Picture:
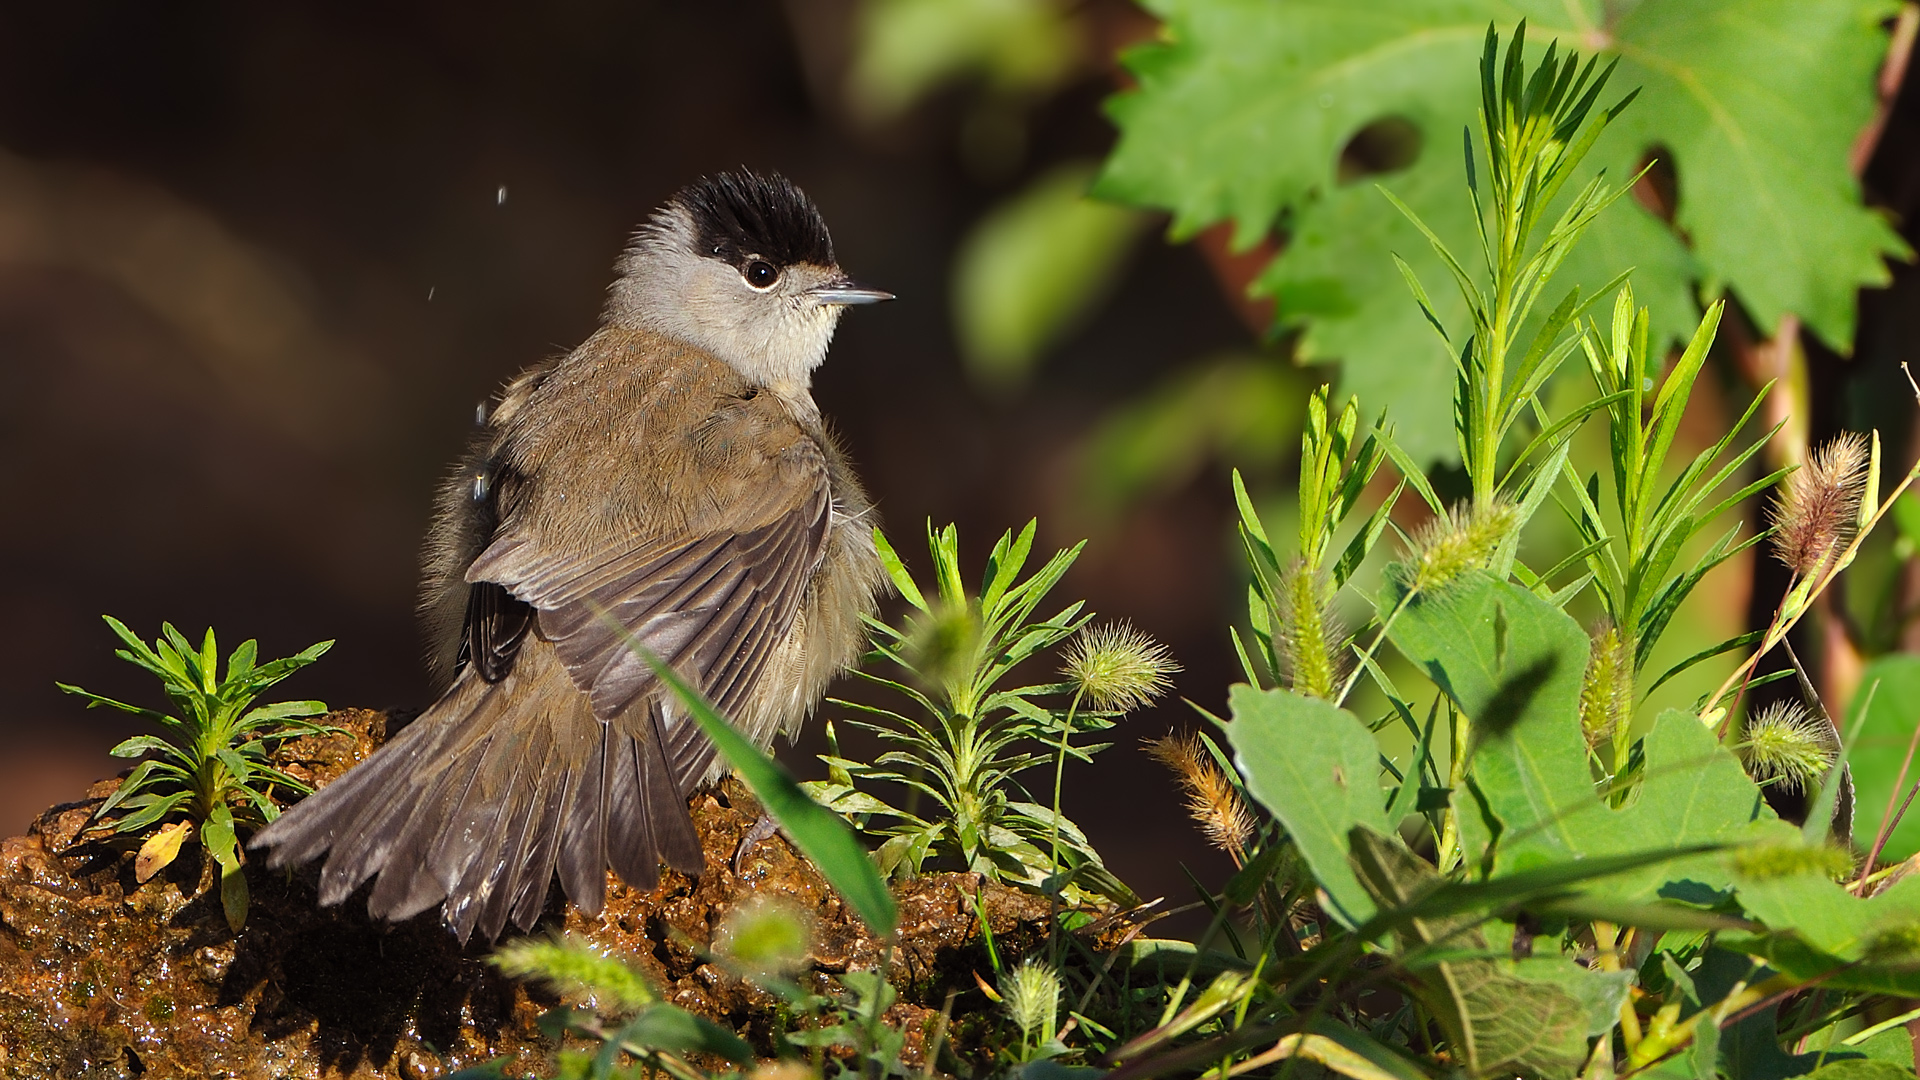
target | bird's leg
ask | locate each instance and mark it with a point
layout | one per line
(762, 829)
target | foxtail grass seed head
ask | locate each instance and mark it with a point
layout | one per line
(1116, 668)
(1606, 694)
(941, 644)
(1818, 510)
(1463, 540)
(764, 938)
(1770, 862)
(1031, 993)
(1307, 635)
(1897, 944)
(1787, 747)
(1212, 800)
(577, 969)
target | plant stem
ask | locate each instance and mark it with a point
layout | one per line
(1451, 853)
(1366, 657)
(1059, 770)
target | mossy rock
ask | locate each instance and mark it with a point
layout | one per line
(101, 976)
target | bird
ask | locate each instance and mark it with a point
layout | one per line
(668, 484)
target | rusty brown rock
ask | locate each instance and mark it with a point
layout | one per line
(101, 976)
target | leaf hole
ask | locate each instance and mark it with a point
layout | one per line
(1388, 145)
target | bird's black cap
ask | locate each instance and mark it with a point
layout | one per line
(740, 214)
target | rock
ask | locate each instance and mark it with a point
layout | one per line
(101, 976)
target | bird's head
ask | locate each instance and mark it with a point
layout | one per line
(741, 265)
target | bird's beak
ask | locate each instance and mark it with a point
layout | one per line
(843, 290)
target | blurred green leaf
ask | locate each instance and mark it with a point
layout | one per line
(1236, 408)
(1032, 267)
(1860, 1069)
(1880, 748)
(1317, 767)
(1243, 109)
(907, 48)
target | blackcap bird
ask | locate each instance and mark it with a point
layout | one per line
(669, 479)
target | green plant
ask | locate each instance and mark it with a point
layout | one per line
(212, 767)
(957, 650)
(1250, 113)
(1488, 900)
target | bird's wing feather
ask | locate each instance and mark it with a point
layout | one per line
(712, 601)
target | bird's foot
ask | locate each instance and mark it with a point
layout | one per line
(762, 829)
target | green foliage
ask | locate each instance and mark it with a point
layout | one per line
(1632, 554)
(212, 766)
(1032, 267)
(1234, 407)
(1243, 109)
(1317, 768)
(1886, 730)
(971, 735)
(626, 1019)
(906, 48)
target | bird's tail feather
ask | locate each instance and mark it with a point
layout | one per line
(478, 802)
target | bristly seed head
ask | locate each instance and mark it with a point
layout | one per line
(1818, 511)
(1212, 800)
(1449, 546)
(1606, 694)
(1786, 746)
(1117, 668)
(1031, 992)
(1307, 636)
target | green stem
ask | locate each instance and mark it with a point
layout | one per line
(1366, 657)
(1059, 771)
(1451, 852)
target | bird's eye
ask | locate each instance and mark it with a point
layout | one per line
(760, 274)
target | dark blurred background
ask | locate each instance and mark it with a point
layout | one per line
(258, 263)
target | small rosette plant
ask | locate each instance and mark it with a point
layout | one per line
(212, 767)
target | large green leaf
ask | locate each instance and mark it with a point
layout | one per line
(1880, 748)
(1317, 767)
(1531, 1016)
(1530, 762)
(1244, 106)
(1820, 929)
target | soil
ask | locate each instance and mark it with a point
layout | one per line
(101, 976)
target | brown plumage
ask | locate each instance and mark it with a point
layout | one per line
(670, 479)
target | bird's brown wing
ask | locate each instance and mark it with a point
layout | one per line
(712, 602)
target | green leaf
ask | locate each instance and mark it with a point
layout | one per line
(1242, 109)
(1530, 761)
(1231, 408)
(906, 48)
(675, 1030)
(217, 836)
(1032, 268)
(142, 744)
(1881, 747)
(820, 833)
(1531, 1016)
(1860, 1069)
(1316, 766)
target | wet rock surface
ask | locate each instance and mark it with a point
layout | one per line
(101, 976)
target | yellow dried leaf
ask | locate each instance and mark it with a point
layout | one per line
(160, 849)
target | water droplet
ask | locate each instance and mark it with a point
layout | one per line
(500, 196)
